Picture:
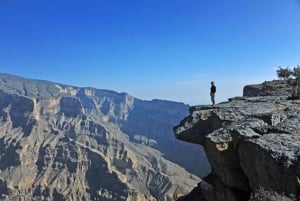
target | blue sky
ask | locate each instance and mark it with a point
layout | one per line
(165, 49)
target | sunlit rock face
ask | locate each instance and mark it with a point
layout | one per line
(60, 142)
(251, 142)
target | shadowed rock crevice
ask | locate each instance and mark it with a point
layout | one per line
(86, 102)
(70, 106)
(8, 156)
(41, 193)
(57, 196)
(103, 185)
(3, 189)
(18, 110)
(195, 127)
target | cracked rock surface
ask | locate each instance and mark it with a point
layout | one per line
(250, 142)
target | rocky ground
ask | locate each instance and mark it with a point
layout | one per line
(251, 142)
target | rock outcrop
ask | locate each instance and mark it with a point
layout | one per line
(268, 88)
(60, 142)
(250, 142)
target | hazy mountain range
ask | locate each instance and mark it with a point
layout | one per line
(61, 142)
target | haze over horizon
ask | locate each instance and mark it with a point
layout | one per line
(148, 48)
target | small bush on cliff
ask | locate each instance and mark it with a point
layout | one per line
(264, 195)
(293, 79)
(284, 73)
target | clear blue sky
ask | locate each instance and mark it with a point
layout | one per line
(166, 49)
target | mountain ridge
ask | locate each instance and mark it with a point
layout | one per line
(61, 142)
(115, 107)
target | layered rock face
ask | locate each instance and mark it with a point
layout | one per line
(250, 142)
(60, 142)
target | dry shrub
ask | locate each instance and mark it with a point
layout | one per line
(265, 195)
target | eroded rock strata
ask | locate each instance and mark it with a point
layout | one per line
(59, 142)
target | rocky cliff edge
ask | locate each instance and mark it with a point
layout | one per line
(251, 142)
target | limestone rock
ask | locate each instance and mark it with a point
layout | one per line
(250, 142)
(268, 88)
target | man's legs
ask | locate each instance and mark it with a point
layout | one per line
(212, 95)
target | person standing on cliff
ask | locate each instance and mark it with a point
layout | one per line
(213, 90)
